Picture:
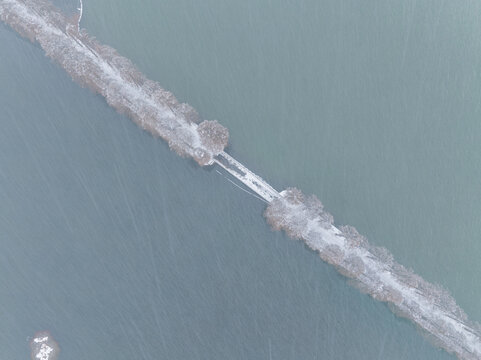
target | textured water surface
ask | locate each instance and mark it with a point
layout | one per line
(119, 248)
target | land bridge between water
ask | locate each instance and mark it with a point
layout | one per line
(247, 177)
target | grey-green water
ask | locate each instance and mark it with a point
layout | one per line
(123, 250)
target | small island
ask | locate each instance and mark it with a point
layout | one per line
(44, 347)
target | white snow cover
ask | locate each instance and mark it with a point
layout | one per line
(103, 70)
(44, 352)
(250, 179)
(44, 347)
(374, 271)
(81, 10)
(40, 339)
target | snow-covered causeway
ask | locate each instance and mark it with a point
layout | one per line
(371, 269)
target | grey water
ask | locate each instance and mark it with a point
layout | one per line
(124, 250)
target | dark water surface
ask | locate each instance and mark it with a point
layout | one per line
(124, 250)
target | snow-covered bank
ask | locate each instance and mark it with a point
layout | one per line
(103, 70)
(371, 269)
(374, 271)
